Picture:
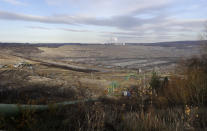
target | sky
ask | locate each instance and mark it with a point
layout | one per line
(101, 21)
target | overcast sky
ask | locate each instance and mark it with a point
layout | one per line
(101, 20)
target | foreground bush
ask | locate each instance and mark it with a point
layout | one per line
(188, 86)
(106, 116)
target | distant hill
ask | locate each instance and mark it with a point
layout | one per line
(54, 45)
(170, 44)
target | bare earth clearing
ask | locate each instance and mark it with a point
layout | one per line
(86, 70)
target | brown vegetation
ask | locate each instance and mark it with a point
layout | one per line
(177, 102)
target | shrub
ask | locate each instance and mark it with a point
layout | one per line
(155, 83)
(189, 86)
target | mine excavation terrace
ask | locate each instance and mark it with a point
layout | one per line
(87, 71)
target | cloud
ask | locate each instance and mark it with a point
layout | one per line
(135, 19)
(38, 27)
(126, 23)
(14, 2)
(63, 29)
(122, 22)
(43, 19)
(108, 8)
(117, 21)
(165, 30)
(73, 30)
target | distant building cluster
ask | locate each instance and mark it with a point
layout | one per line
(18, 65)
(115, 44)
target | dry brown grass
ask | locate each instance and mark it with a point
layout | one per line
(110, 115)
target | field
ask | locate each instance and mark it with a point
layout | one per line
(91, 67)
(111, 56)
(47, 74)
